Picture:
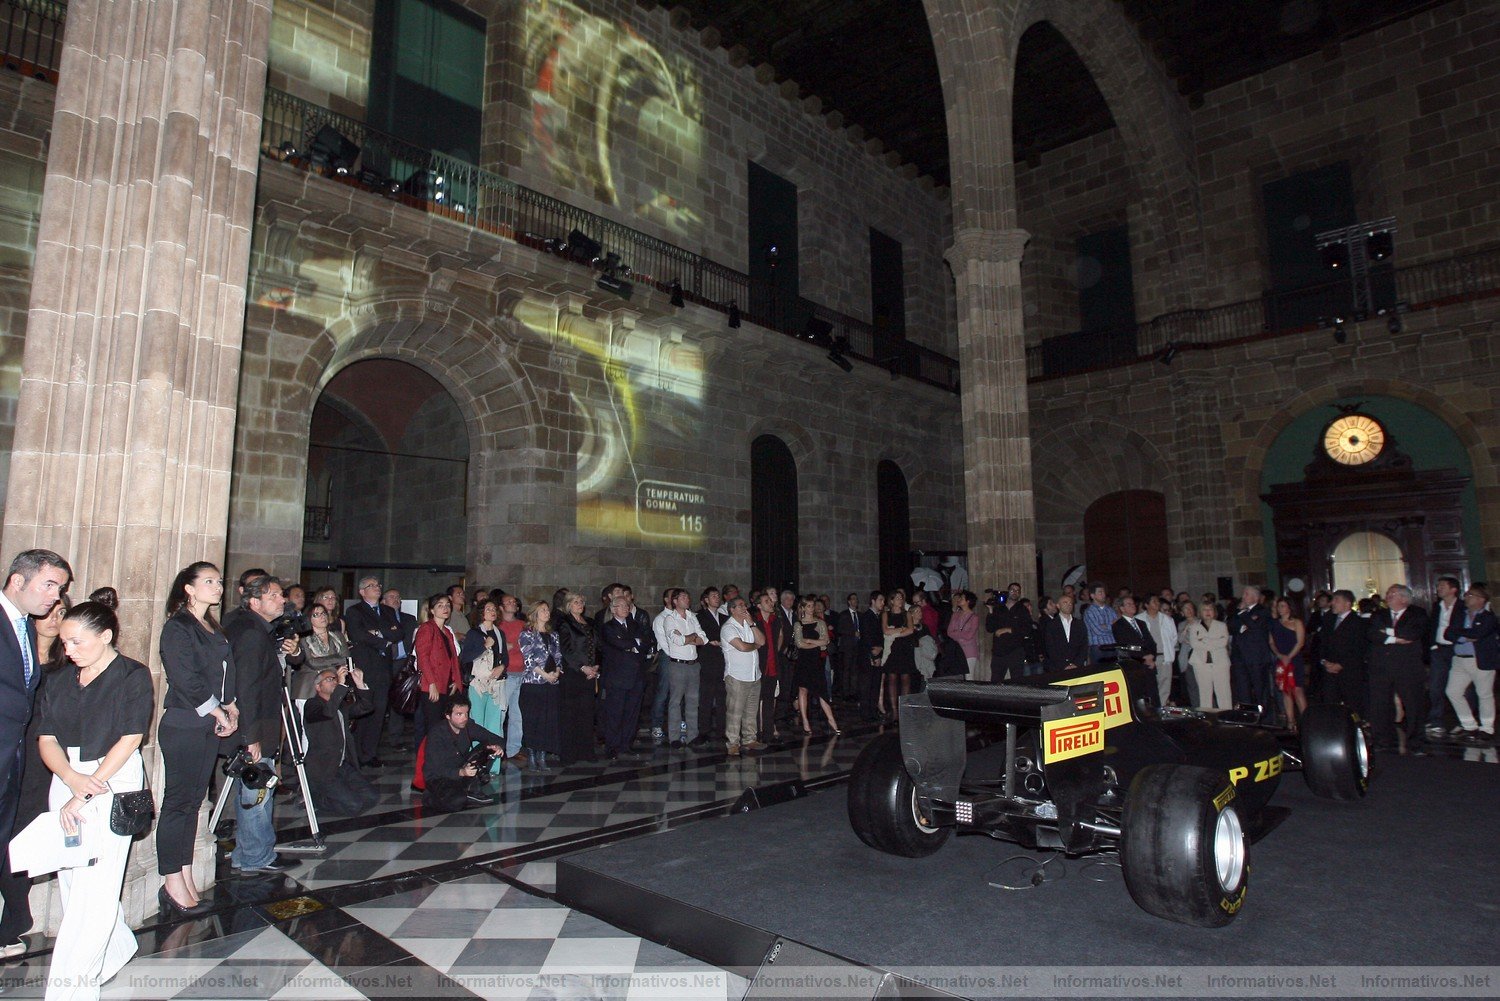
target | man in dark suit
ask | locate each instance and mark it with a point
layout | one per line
(711, 694)
(624, 646)
(872, 637)
(1008, 623)
(34, 583)
(1250, 657)
(1396, 637)
(1341, 653)
(374, 638)
(1065, 639)
(850, 647)
(391, 598)
(1130, 631)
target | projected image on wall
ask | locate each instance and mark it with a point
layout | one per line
(640, 419)
(612, 117)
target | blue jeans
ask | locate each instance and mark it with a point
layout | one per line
(663, 688)
(511, 714)
(254, 827)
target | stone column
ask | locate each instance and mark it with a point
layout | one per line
(1198, 445)
(986, 267)
(131, 369)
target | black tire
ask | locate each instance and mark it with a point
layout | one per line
(883, 803)
(1335, 754)
(1183, 848)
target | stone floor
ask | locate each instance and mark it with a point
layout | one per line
(461, 904)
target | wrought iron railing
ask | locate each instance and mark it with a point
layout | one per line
(1414, 287)
(31, 33)
(485, 200)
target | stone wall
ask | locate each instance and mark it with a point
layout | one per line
(1411, 107)
(560, 386)
(667, 153)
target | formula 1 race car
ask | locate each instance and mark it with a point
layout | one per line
(1092, 764)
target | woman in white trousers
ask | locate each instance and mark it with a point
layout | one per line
(93, 720)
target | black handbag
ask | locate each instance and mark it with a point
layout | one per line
(132, 813)
(406, 690)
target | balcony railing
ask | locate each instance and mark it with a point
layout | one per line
(31, 33)
(487, 201)
(1418, 286)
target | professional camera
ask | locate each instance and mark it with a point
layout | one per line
(254, 774)
(289, 625)
(481, 758)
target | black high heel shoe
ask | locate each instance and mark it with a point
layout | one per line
(172, 907)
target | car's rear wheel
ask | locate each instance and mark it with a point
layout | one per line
(883, 807)
(1183, 848)
(1335, 754)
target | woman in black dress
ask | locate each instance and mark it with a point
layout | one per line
(900, 664)
(812, 641)
(580, 666)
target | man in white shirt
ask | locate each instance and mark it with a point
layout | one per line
(679, 634)
(741, 640)
(1163, 630)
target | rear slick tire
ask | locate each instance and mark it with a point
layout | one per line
(883, 807)
(1183, 848)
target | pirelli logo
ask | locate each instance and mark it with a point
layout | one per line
(1116, 706)
(1069, 738)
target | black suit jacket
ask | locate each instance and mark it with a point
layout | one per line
(1412, 626)
(16, 695)
(373, 635)
(329, 741)
(258, 678)
(1013, 618)
(1344, 643)
(1485, 634)
(1139, 636)
(871, 633)
(1063, 650)
(624, 646)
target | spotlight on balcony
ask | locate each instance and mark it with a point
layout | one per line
(370, 178)
(1169, 353)
(333, 150)
(1340, 331)
(1335, 255)
(817, 330)
(581, 248)
(677, 294)
(836, 354)
(427, 185)
(611, 282)
(1379, 245)
(734, 314)
(287, 150)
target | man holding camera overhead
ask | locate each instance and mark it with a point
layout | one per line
(260, 675)
(333, 776)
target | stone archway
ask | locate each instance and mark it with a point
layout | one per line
(521, 438)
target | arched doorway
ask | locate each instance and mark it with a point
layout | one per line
(773, 513)
(1367, 563)
(1125, 541)
(893, 514)
(387, 476)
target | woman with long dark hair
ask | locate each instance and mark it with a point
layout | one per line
(198, 709)
(93, 722)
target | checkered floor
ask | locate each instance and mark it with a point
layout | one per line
(458, 904)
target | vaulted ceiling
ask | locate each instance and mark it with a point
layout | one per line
(873, 61)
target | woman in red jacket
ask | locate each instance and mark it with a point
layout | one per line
(437, 657)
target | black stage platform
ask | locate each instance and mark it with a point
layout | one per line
(1405, 878)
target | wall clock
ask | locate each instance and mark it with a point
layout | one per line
(1353, 439)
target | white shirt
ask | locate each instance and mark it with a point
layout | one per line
(741, 665)
(23, 642)
(672, 629)
(1445, 614)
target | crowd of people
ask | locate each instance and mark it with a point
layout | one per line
(491, 680)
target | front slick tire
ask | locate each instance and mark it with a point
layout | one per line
(883, 806)
(1183, 848)
(1335, 757)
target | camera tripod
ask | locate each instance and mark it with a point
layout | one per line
(294, 734)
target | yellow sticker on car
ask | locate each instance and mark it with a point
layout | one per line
(1071, 738)
(1116, 695)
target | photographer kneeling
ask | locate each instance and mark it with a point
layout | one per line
(453, 778)
(333, 777)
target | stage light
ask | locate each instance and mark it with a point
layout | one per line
(1340, 331)
(836, 354)
(734, 315)
(1379, 245)
(581, 248)
(1168, 354)
(287, 150)
(610, 282)
(677, 295)
(817, 331)
(1335, 255)
(370, 178)
(330, 148)
(427, 185)
(1393, 323)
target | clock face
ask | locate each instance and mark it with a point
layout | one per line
(1354, 439)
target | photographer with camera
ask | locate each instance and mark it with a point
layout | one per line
(454, 768)
(333, 776)
(261, 643)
